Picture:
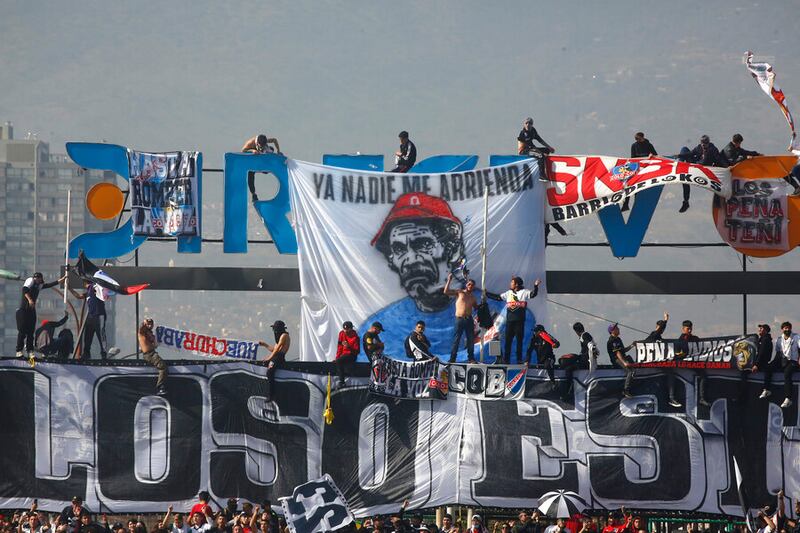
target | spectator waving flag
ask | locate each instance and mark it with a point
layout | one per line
(105, 285)
(316, 506)
(765, 77)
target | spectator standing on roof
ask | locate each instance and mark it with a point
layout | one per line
(787, 348)
(734, 153)
(682, 349)
(348, 346)
(465, 325)
(656, 336)
(641, 147)
(95, 321)
(26, 313)
(616, 352)
(525, 139)
(516, 300)
(260, 144)
(406, 156)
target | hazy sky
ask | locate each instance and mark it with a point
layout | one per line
(336, 77)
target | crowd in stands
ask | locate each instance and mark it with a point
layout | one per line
(249, 518)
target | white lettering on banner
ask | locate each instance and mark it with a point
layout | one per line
(216, 431)
(503, 382)
(582, 185)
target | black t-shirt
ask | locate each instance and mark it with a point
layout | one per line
(418, 347)
(642, 149)
(370, 342)
(409, 154)
(614, 345)
(526, 137)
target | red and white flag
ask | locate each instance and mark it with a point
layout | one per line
(765, 77)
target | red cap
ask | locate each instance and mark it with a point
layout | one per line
(416, 205)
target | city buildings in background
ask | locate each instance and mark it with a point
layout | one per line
(33, 210)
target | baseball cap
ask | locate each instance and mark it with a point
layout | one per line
(765, 326)
(403, 134)
(118, 525)
(612, 327)
(77, 499)
(415, 206)
(279, 325)
(423, 527)
(477, 517)
(347, 325)
(538, 327)
(378, 325)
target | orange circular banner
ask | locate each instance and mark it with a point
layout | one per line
(760, 219)
(105, 200)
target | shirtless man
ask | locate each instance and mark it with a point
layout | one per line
(465, 303)
(147, 343)
(277, 355)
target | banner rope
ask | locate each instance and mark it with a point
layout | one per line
(596, 316)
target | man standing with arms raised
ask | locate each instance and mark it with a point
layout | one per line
(465, 303)
(516, 299)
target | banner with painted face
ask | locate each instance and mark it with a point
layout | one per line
(164, 191)
(582, 185)
(713, 352)
(378, 247)
(100, 432)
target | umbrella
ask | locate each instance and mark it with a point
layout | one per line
(7, 274)
(561, 504)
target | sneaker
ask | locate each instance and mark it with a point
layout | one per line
(765, 394)
(161, 391)
(704, 402)
(471, 361)
(20, 354)
(786, 403)
(113, 351)
(627, 394)
(684, 207)
(675, 403)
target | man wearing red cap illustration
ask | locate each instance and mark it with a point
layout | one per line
(422, 241)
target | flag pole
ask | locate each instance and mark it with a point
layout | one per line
(483, 259)
(66, 249)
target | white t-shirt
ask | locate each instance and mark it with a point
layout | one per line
(182, 529)
(202, 528)
(555, 529)
(787, 348)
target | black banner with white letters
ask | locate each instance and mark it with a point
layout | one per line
(711, 352)
(100, 432)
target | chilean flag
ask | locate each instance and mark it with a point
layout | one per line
(105, 285)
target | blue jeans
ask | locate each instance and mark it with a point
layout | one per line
(464, 326)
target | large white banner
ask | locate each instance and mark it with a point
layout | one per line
(378, 247)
